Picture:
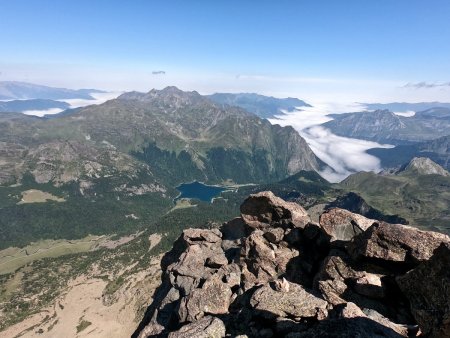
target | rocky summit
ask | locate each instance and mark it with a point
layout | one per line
(274, 273)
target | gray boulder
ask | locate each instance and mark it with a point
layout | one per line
(213, 297)
(396, 243)
(343, 225)
(207, 327)
(265, 209)
(262, 261)
(427, 288)
(292, 301)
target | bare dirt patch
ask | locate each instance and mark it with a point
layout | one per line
(112, 244)
(182, 204)
(38, 196)
(85, 301)
(154, 240)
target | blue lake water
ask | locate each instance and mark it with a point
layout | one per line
(199, 191)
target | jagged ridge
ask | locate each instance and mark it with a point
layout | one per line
(274, 273)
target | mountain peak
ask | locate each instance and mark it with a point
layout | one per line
(170, 95)
(386, 113)
(425, 166)
(172, 90)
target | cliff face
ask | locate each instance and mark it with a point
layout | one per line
(274, 273)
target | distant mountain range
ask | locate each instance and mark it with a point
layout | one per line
(20, 106)
(260, 105)
(12, 90)
(404, 106)
(438, 150)
(386, 127)
(380, 125)
(182, 136)
(263, 106)
(426, 134)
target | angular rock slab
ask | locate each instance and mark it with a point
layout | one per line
(339, 283)
(263, 262)
(358, 327)
(332, 277)
(351, 310)
(428, 289)
(396, 243)
(192, 236)
(343, 225)
(213, 298)
(292, 301)
(202, 255)
(370, 285)
(207, 327)
(265, 209)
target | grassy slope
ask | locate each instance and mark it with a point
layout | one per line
(36, 285)
(424, 200)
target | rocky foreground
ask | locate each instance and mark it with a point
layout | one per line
(274, 273)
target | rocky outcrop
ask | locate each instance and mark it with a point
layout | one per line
(287, 300)
(425, 166)
(428, 290)
(265, 210)
(396, 243)
(207, 327)
(343, 225)
(274, 273)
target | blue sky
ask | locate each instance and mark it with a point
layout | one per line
(354, 50)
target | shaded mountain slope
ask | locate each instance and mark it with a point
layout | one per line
(437, 150)
(386, 127)
(263, 106)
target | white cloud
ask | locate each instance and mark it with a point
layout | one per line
(408, 113)
(41, 113)
(345, 155)
(99, 98)
(306, 117)
(424, 84)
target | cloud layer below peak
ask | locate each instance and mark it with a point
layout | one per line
(344, 155)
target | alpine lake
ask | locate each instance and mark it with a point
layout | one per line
(198, 190)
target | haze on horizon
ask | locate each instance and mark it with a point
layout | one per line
(325, 51)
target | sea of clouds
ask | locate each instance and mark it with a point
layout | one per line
(343, 155)
(99, 98)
